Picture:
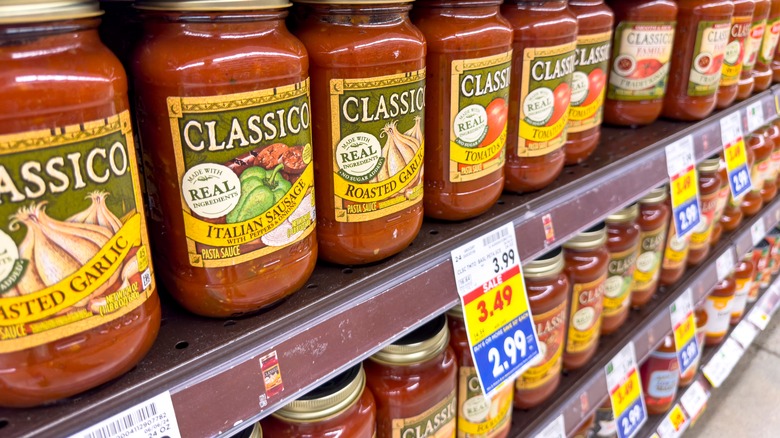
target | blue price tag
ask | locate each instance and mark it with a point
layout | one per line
(687, 355)
(686, 216)
(631, 419)
(740, 180)
(734, 155)
(683, 186)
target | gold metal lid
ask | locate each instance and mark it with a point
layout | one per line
(257, 432)
(211, 5)
(36, 11)
(545, 265)
(625, 215)
(593, 237)
(352, 2)
(455, 312)
(658, 194)
(418, 346)
(330, 398)
(709, 165)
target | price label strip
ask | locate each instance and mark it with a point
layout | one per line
(721, 365)
(745, 333)
(150, 419)
(556, 429)
(500, 330)
(625, 392)
(674, 424)
(724, 265)
(684, 327)
(755, 116)
(684, 186)
(757, 231)
(735, 155)
(694, 399)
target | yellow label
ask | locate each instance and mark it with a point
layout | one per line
(551, 330)
(718, 315)
(648, 264)
(437, 422)
(676, 252)
(617, 289)
(700, 237)
(735, 50)
(626, 394)
(589, 80)
(585, 318)
(479, 417)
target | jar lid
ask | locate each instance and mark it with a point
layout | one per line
(418, 346)
(455, 312)
(545, 265)
(709, 165)
(328, 399)
(658, 194)
(255, 432)
(593, 237)
(625, 215)
(211, 5)
(36, 11)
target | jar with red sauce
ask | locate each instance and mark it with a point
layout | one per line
(342, 407)
(709, 188)
(718, 308)
(468, 67)
(368, 118)
(775, 129)
(413, 380)
(660, 377)
(771, 134)
(743, 276)
(78, 299)
(586, 263)
(700, 41)
(689, 376)
(762, 73)
(774, 236)
(720, 206)
(623, 244)
(591, 67)
(761, 255)
(767, 261)
(639, 65)
(478, 417)
(543, 60)
(675, 256)
(548, 291)
(735, 50)
(752, 48)
(762, 151)
(653, 223)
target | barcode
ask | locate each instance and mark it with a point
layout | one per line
(146, 278)
(494, 237)
(123, 423)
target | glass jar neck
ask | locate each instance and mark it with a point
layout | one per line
(465, 4)
(269, 15)
(357, 14)
(586, 2)
(11, 34)
(542, 5)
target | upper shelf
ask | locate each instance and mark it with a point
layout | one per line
(345, 314)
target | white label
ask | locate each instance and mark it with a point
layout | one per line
(211, 190)
(755, 116)
(682, 307)
(667, 428)
(152, 418)
(719, 368)
(694, 399)
(474, 262)
(679, 156)
(724, 265)
(556, 429)
(757, 231)
(621, 366)
(730, 129)
(758, 317)
(745, 333)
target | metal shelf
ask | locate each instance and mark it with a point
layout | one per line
(345, 314)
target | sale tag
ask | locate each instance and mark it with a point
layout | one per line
(674, 424)
(736, 157)
(153, 418)
(744, 333)
(684, 327)
(684, 185)
(556, 429)
(724, 265)
(625, 392)
(501, 333)
(755, 116)
(720, 366)
(757, 231)
(694, 399)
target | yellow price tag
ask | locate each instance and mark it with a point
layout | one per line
(677, 417)
(494, 305)
(684, 187)
(685, 331)
(626, 393)
(735, 154)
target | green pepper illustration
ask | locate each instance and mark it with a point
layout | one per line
(260, 190)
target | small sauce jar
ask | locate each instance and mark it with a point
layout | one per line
(689, 376)
(776, 66)
(543, 58)
(548, 291)
(718, 309)
(735, 50)
(468, 66)
(776, 151)
(709, 188)
(752, 47)
(774, 236)
(660, 377)
(743, 276)
(653, 222)
(761, 255)
(762, 72)
(771, 134)
(762, 151)
(586, 262)
(720, 206)
(675, 256)
(414, 381)
(623, 244)
(340, 407)
(702, 35)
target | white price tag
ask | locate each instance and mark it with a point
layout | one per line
(745, 333)
(721, 365)
(478, 261)
(556, 429)
(694, 399)
(758, 231)
(759, 317)
(730, 129)
(755, 116)
(150, 419)
(679, 156)
(687, 348)
(674, 424)
(724, 265)
(625, 392)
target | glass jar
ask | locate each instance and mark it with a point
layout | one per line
(545, 39)
(735, 50)
(623, 234)
(675, 256)
(762, 151)
(762, 73)
(767, 262)
(78, 294)
(548, 291)
(586, 263)
(774, 236)
(702, 35)
(660, 377)
(653, 222)
(709, 188)
(468, 66)
(720, 206)
(776, 66)
(774, 134)
(605, 425)
(478, 417)
(761, 255)
(743, 276)
(369, 182)
(752, 47)
(686, 378)
(718, 308)
(641, 55)
(591, 65)
(413, 379)
(771, 134)
(340, 407)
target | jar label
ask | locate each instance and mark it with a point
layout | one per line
(700, 238)
(769, 44)
(74, 253)
(378, 126)
(775, 158)
(617, 291)
(753, 45)
(758, 174)
(641, 57)
(741, 296)
(676, 253)
(545, 95)
(707, 63)
(551, 330)
(479, 417)
(765, 170)
(587, 86)
(436, 422)
(648, 264)
(718, 315)
(585, 320)
(723, 199)
(734, 54)
(478, 116)
(663, 384)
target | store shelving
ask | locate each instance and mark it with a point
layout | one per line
(212, 369)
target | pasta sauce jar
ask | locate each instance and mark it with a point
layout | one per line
(228, 139)
(762, 73)
(641, 56)
(709, 188)
(686, 378)
(623, 234)
(591, 65)
(586, 263)
(414, 382)
(468, 65)
(752, 46)
(718, 309)
(548, 291)
(752, 201)
(543, 59)
(703, 28)
(660, 377)
(771, 134)
(653, 223)
(720, 206)
(735, 50)
(78, 299)
(675, 255)
(340, 407)
(368, 118)
(743, 276)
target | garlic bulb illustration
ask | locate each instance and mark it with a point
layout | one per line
(98, 213)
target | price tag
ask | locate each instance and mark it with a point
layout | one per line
(720, 366)
(724, 265)
(694, 399)
(152, 418)
(625, 392)
(501, 333)
(735, 155)
(745, 333)
(757, 231)
(684, 327)
(556, 429)
(759, 317)
(674, 424)
(755, 116)
(684, 185)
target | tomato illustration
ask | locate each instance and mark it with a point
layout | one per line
(562, 95)
(497, 112)
(596, 81)
(645, 68)
(717, 65)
